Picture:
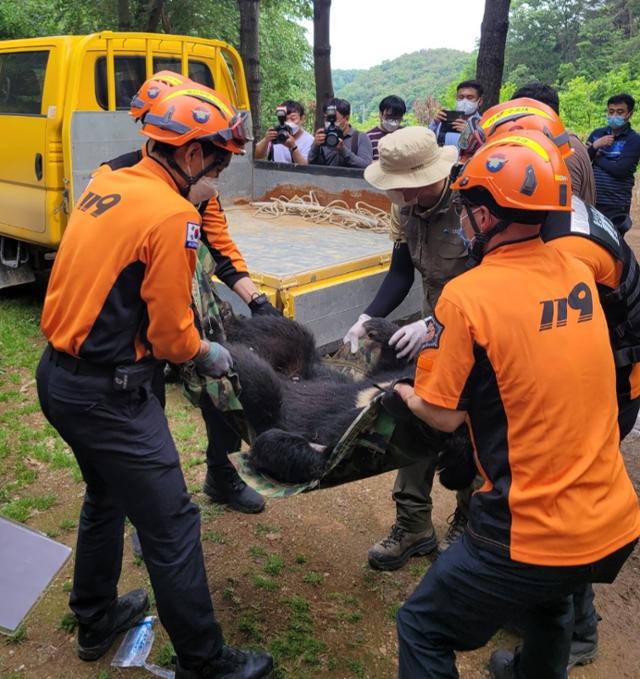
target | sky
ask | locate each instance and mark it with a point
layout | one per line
(367, 32)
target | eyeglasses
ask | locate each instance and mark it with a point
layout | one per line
(459, 206)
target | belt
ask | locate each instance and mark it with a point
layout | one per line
(79, 366)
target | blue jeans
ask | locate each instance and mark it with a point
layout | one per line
(470, 593)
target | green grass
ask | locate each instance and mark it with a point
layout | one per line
(265, 583)
(229, 594)
(68, 623)
(21, 509)
(164, 655)
(299, 640)
(256, 551)
(392, 611)
(249, 625)
(274, 565)
(301, 558)
(313, 578)
(356, 667)
(18, 636)
(214, 536)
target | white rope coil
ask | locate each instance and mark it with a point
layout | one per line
(337, 212)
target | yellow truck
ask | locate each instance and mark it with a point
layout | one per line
(64, 104)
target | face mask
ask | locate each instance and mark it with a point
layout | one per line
(397, 197)
(615, 121)
(467, 107)
(293, 127)
(466, 241)
(390, 125)
(205, 188)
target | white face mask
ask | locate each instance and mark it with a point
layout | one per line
(390, 125)
(293, 127)
(397, 197)
(466, 106)
(205, 188)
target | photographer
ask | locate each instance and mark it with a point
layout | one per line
(287, 142)
(337, 143)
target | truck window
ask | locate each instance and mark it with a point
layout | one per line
(22, 82)
(130, 74)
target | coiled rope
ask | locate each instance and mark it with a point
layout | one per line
(337, 213)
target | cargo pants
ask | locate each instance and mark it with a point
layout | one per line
(439, 254)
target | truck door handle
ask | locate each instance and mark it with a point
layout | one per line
(38, 166)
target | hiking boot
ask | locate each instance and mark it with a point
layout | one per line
(226, 487)
(95, 639)
(502, 664)
(395, 550)
(230, 663)
(457, 525)
(584, 650)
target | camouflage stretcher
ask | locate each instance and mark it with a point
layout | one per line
(374, 443)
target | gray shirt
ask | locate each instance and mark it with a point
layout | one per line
(326, 155)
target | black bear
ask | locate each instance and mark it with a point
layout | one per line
(299, 421)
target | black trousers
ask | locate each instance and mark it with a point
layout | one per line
(469, 593)
(131, 468)
(222, 439)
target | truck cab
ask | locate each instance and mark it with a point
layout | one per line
(64, 105)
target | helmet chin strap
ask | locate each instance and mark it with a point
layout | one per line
(481, 239)
(190, 179)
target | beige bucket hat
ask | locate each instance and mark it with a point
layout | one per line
(410, 158)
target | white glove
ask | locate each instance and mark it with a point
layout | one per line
(408, 340)
(216, 362)
(356, 331)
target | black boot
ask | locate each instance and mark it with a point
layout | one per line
(230, 663)
(223, 485)
(95, 639)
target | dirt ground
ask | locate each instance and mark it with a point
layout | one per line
(293, 578)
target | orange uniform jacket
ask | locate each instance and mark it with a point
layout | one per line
(521, 344)
(121, 283)
(230, 265)
(606, 271)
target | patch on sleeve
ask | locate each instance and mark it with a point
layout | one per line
(193, 236)
(434, 332)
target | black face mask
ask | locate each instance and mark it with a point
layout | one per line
(480, 240)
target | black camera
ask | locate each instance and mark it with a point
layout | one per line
(283, 130)
(333, 132)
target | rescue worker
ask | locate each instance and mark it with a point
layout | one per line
(118, 301)
(222, 482)
(588, 235)
(518, 348)
(414, 172)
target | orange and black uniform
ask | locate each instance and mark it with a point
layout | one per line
(130, 293)
(119, 300)
(588, 235)
(521, 344)
(230, 265)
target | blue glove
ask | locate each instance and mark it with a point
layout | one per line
(216, 362)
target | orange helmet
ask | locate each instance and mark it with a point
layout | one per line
(526, 114)
(154, 89)
(193, 112)
(521, 171)
(515, 115)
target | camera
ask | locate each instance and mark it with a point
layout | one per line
(281, 128)
(333, 132)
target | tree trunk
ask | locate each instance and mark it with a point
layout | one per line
(250, 53)
(493, 38)
(154, 16)
(322, 56)
(124, 17)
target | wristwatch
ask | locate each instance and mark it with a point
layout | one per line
(293, 148)
(258, 300)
